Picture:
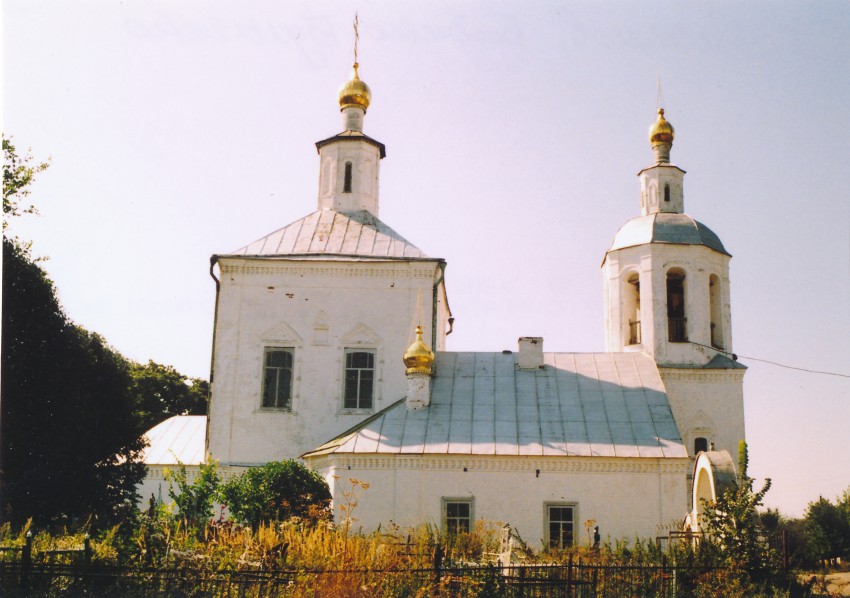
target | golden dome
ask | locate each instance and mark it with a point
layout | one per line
(355, 92)
(661, 131)
(418, 358)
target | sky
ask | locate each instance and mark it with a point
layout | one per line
(514, 131)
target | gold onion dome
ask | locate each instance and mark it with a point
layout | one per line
(418, 358)
(661, 131)
(355, 92)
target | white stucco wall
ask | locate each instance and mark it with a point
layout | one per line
(626, 497)
(319, 308)
(708, 404)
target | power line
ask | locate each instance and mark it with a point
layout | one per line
(735, 357)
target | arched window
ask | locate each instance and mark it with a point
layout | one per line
(666, 192)
(631, 309)
(715, 311)
(676, 320)
(346, 185)
(700, 445)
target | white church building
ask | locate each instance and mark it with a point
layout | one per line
(312, 359)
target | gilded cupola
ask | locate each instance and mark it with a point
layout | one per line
(355, 93)
(418, 358)
(661, 136)
(661, 131)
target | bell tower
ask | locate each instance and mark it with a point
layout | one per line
(667, 294)
(666, 274)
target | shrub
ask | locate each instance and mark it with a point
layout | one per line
(277, 491)
(194, 500)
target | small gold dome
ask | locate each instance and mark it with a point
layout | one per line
(418, 358)
(661, 131)
(355, 92)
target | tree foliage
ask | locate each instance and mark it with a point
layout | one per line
(733, 524)
(828, 528)
(70, 437)
(73, 409)
(275, 492)
(18, 173)
(160, 391)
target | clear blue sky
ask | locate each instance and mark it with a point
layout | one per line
(514, 132)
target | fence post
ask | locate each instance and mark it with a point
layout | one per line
(595, 578)
(438, 561)
(785, 560)
(87, 550)
(663, 588)
(26, 564)
(570, 577)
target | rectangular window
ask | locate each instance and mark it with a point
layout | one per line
(457, 515)
(359, 379)
(561, 525)
(277, 378)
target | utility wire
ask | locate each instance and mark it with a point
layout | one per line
(735, 357)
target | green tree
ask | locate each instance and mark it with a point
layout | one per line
(18, 173)
(275, 492)
(70, 440)
(70, 437)
(733, 524)
(194, 500)
(160, 391)
(828, 527)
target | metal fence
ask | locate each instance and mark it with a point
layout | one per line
(571, 580)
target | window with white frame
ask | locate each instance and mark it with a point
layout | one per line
(277, 377)
(359, 379)
(457, 515)
(560, 525)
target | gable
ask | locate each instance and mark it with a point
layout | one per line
(281, 333)
(361, 335)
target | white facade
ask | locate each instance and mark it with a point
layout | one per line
(625, 497)
(296, 306)
(313, 319)
(319, 309)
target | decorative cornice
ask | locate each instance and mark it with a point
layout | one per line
(390, 270)
(700, 376)
(504, 463)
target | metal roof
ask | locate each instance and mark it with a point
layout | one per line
(578, 404)
(358, 234)
(664, 227)
(179, 439)
(353, 136)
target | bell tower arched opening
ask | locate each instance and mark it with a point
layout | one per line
(631, 309)
(715, 311)
(676, 317)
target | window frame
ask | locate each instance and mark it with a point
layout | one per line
(444, 509)
(267, 349)
(359, 407)
(547, 522)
